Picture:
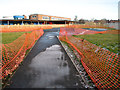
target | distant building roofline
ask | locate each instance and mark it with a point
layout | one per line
(50, 15)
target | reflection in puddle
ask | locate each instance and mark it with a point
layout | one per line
(50, 66)
(51, 37)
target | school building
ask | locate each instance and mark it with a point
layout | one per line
(46, 17)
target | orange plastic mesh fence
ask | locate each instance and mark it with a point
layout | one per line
(22, 28)
(87, 26)
(100, 64)
(13, 53)
(77, 31)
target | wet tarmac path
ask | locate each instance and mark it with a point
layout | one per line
(46, 66)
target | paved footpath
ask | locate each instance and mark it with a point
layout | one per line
(46, 66)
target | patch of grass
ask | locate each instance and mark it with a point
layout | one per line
(111, 29)
(0, 37)
(108, 41)
(11, 36)
(27, 51)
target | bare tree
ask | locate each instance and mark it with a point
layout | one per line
(103, 21)
(76, 19)
(82, 21)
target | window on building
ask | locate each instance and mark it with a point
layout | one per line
(34, 16)
(59, 18)
(44, 17)
(53, 18)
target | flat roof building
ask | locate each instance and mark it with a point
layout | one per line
(19, 17)
(46, 17)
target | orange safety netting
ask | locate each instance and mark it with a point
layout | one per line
(87, 26)
(13, 53)
(22, 28)
(100, 64)
(77, 31)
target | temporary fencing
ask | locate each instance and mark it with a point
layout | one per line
(101, 65)
(87, 26)
(13, 53)
(22, 28)
(112, 32)
(77, 31)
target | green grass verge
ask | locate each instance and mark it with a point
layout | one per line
(108, 41)
(11, 36)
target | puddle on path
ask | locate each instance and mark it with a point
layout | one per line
(50, 66)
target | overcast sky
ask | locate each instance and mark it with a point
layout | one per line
(119, 10)
(86, 9)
